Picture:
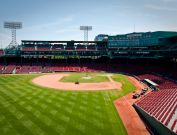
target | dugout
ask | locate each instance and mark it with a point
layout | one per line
(151, 84)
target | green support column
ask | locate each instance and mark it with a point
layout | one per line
(127, 61)
(79, 61)
(108, 63)
(175, 63)
(92, 61)
(50, 59)
(147, 62)
(66, 60)
(21, 60)
(5, 61)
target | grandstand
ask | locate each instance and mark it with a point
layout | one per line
(160, 105)
(140, 54)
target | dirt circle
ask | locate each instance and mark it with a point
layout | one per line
(52, 81)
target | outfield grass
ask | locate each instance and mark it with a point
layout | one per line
(126, 85)
(26, 109)
(95, 78)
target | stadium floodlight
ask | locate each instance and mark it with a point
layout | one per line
(86, 29)
(13, 26)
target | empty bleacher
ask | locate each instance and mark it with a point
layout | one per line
(8, 69)
(161, 104)
(43, 47)
(1, 68)
(58, 47)
(1, 52)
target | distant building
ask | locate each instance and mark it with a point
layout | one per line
(101, 37)
(137, 39)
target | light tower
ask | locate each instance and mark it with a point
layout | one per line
(13, 26)
(86, 29)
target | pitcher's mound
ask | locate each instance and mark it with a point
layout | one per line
(52, 81)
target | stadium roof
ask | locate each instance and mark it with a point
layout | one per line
(151, 82)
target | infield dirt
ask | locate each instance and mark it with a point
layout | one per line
(52, 81)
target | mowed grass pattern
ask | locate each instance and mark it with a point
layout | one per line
(26, 109)
(94, 78)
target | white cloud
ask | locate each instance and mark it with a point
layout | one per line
(5, 36)
(169, 0)
(160, 8)
(51, 24)
(68, 29)
(4, 40)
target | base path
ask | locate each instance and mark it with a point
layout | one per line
(129, 116)
(53, 81)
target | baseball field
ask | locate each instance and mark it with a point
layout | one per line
(29, 109)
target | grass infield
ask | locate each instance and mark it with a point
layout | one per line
(26, 109)
(82, 77)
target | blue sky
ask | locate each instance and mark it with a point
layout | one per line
(60, 19)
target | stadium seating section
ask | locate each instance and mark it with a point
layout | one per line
(161, 104)
(1, 52)
(48, 47)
